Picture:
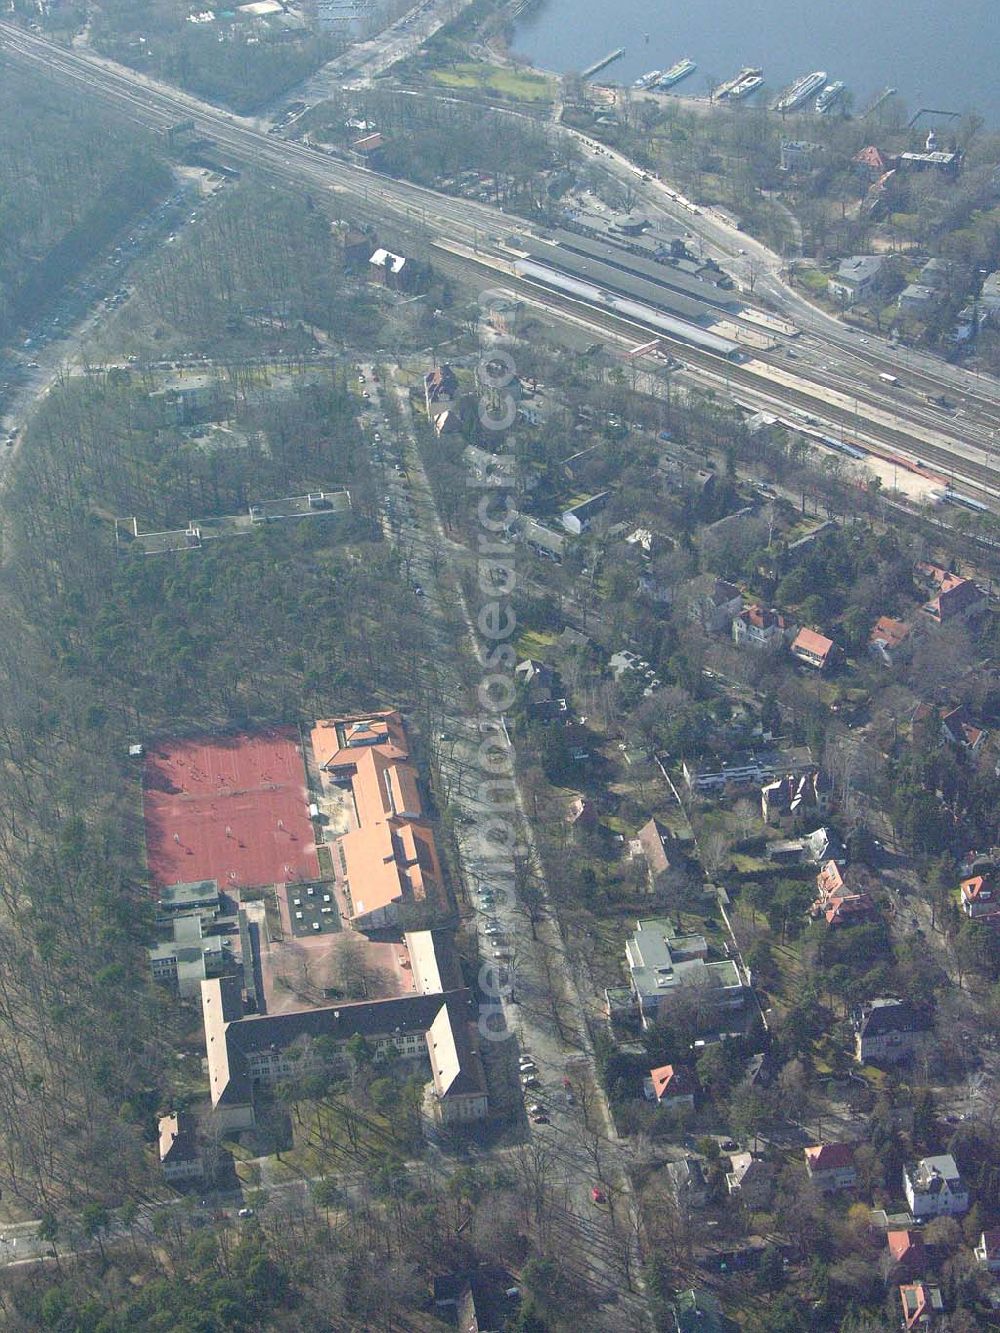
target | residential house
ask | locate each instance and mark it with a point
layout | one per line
(917, 298)
(934, 1188)
(501, 311)
(825, 845)
(905, 1255)
(745, 770)
(389, 269)
(989, 297)
(870, 163)
(533, 672)
(440, 391)
(688, 1182)
(368, 149)
(921, 1302)
(958, 727)
(980, 890)
(715, 603)
(581, 813)
(482, 1301)
(178, 1145)
(815, 650)
(887, 638)
(937, 273)
(699, 1311)
(857, 278)
(575, 641)
(357, 247)
(787, 852)
(877, 201)
(545, 705)
(790, 800)
(759, 627)
(760, 1070)
(542, 540)
(956, 598)
(652, 843)
(673, 1087)
(661, 963)
(797, 155)
(494, 469)
(647, 543)
(888, 1030)
(987, 1250)
(448, 421)
(750, 1180)
(842, 897)
(830, 1166)
(740, 772)
(578, 518)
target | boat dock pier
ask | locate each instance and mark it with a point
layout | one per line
(604, 61)
(879, 101)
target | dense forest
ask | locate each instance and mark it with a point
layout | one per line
(261, 271)
(103, 649)
(70, 178)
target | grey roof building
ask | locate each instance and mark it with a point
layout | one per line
(661, 962)
(888, 1030)
(246, 1051)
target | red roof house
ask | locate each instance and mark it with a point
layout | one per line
(673, 1086)
(815, 650)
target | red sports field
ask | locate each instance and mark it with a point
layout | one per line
(234, 809)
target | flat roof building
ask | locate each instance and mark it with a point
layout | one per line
(661, 962)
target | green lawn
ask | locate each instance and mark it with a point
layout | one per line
(535, 643)
(519, 85)
(811, 279)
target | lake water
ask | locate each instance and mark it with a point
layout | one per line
(940, 54)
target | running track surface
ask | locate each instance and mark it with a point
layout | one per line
(234, 809)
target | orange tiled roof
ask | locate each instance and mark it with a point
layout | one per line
(871, 157)
(388, 858)
(816, 645)
(671, 1082)
(888, 631)
(762, 617)
(829, 1156)
(337, 741)
(830, 880)
(977, 889)
(904, 1244)
(842, 910)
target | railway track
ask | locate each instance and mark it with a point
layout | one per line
(877, 439)
(157, 106)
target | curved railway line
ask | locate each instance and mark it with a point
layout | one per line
(158, 106)
(887, 439)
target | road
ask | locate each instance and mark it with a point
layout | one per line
(366, 60)
(472, 225)
(539, 1009)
